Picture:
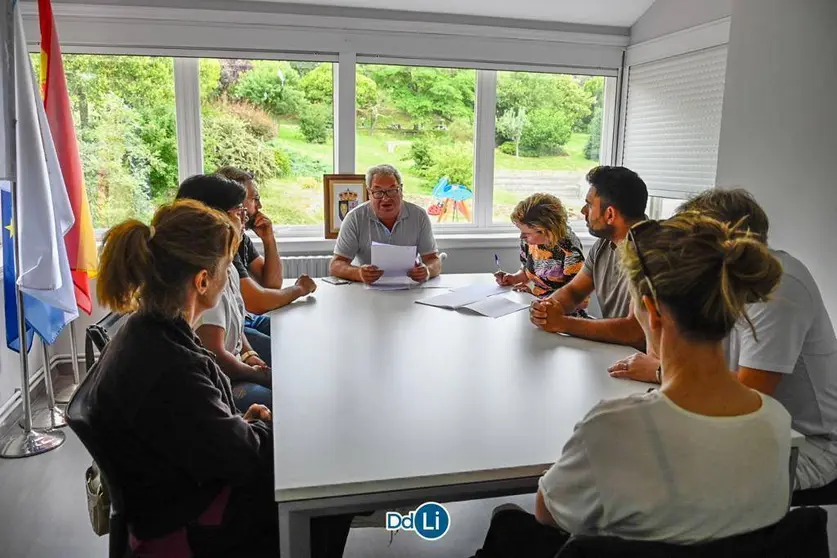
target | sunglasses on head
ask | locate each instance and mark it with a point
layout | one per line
(632, 232)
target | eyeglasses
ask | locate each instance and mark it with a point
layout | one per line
(237, 209)
(642, 265)
(391, 193)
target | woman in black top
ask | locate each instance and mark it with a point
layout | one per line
(197, 478)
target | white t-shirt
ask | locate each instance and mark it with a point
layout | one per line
(643, 468)
(228, 313)
(795, 338)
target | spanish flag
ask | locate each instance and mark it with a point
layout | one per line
(80, 240)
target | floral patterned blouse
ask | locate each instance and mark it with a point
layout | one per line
(549, 268)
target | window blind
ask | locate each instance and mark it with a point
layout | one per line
(673, 121)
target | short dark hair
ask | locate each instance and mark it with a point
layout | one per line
(237, 174)
(731, 206)
(621, 188)
(212, 190)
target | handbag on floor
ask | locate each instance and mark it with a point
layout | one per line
(98, 500)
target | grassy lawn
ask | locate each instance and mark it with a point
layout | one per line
(298, 200)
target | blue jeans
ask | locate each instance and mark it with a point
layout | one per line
(248, 393)
(257, 330)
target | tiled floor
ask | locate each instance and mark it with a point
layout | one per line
(43, 515)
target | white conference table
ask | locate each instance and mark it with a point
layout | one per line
(382, 403)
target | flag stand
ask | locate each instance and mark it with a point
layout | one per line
(30, 441)
(66, 393)
(50, 417)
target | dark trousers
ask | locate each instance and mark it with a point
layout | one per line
(515, 533)
(250, 526)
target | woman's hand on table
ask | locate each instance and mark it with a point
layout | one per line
(638, 366)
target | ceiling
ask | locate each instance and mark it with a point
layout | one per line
(621, 13)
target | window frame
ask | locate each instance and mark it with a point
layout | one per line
(190, 144)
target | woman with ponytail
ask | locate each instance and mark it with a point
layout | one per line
(704, 457)
(196, 477)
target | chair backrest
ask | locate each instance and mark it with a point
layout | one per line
(802, 532)
(98, 335)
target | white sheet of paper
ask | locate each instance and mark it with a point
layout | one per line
(440, 282)
(377, 286)
(463, 296)
(395, 281)
(395, 261)
(496, 306)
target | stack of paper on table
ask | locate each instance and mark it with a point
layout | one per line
(481, 299)
(395, 262)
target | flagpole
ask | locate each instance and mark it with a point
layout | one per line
(28, 442)
(50, 417)
(67, 392)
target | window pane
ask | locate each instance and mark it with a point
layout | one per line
(274, 119)
(548, 135)
(123, 109)
(668, 207)
(421, 120)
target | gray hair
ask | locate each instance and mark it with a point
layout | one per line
(382, 170)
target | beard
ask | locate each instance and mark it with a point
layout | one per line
(606, 231)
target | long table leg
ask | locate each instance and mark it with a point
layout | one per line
(294, 533)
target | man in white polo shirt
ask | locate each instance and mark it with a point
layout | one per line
(793, 354)
(388, 219)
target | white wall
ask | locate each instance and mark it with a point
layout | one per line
(779, 127)
(668, 16)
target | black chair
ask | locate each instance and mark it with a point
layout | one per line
(79, 418)
(98, 335)
(801, 533)
(822, 496)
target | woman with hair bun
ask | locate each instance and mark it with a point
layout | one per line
(702, 458)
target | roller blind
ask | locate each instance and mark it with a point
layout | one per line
(673, 121)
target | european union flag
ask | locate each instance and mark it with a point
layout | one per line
(40, 317)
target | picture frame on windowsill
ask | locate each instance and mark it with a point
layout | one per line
(341, 194)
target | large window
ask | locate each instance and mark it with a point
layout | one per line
(548, 135)
(124, 113)
(274, 119)
(421, 120)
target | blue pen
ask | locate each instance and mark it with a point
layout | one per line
(497, 262)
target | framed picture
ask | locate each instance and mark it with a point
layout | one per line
(342, 193)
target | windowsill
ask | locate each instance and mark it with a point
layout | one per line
(447, 240)
(292, 246)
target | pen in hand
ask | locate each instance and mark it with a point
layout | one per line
(497, 263)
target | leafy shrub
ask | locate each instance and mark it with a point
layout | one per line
(259, 122)
(228, 141)
(508, 148)
(594, 141)
(158, 133)
(305, 165)
(315, 123)
(271, 86)
(453, 160)
(545, 131)
(420, 154)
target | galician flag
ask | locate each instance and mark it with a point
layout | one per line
(44, 216)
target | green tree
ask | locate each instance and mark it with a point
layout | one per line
(511, 125)
(272, 86)
(315, 122)
(210, 78)
(456, 161)
(560, 93)
(227, 140)
(429, 96)
(594, 140)
(318, 87)
(116, 164)
(594, 86)
(545, 132)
